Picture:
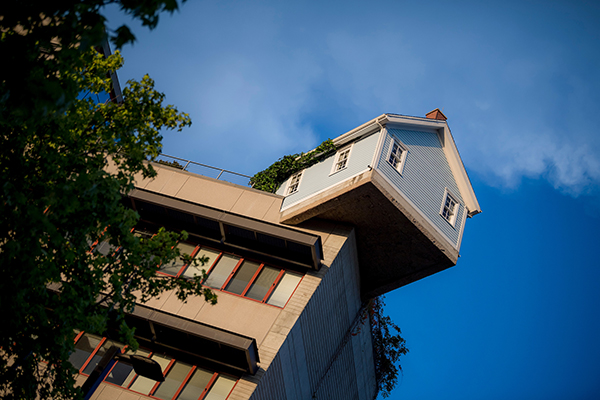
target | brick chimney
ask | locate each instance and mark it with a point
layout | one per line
(436, 114)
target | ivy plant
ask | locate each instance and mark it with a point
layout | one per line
(271, 178)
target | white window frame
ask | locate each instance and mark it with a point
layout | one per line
(293, 187)
(336, 160)
(453, 214)
(402, 159)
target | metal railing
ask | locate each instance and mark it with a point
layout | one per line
(203, 169)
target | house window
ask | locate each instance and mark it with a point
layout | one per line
(397, 155)
(341, 160)
(449, 208)
(182, 380)
(294, 183)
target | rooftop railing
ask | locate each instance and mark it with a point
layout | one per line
(203, 169)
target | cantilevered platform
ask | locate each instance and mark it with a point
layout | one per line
(395, 245)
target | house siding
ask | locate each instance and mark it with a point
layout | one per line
(425, 176)
(318, 177)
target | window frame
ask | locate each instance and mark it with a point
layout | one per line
(210, 267)
(336, 160)
(400, 160)
(453, 214)
(184, 267)
(166, 370)
(292, 188)
(92, 353)
(262, 265)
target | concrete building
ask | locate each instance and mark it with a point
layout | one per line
(294, 269)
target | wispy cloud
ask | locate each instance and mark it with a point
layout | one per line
(262, 81)
(570, 162)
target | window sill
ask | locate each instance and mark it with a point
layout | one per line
(338, 171)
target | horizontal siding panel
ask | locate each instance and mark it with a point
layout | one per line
(319, 177)
(425, 177)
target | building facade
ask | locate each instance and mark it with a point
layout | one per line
(293, 270)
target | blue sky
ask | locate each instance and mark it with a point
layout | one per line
(519, 315)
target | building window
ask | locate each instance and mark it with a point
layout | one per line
(252, 279)
(294, 183)
(397, 156)
(237, 275)
(341, 160)
(234, 274)
(182, 380)
(449, 208)
(177, 266)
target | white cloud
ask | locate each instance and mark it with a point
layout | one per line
(262, 81)
(509, 150)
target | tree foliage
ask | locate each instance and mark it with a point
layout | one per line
(43, 40)
(269, 179)
(388, 346)
(65, 164)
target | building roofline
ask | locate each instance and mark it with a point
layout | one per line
(300, 248)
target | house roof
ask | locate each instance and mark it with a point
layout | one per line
(421, 123)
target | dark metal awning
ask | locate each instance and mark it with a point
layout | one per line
(197, 339)
(272, 240)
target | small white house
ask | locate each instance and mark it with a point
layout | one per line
(401, 182)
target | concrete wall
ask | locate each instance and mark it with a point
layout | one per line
(320, 358)
(301, 346)
(211, 192)
(233, 313)
(296, 343)
(111, 392)
(425, 177)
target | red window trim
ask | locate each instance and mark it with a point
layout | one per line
(209, 386)
(93, 246)
(185, 382)
(233, 271)
(273, 286)
(238, 265)
(293, 291)
(113, 367)
(91, 356)
(217, 259)
(182, 386)
(193, 254)
(260, 268)
(135, 377)
(79, 335)
(165, 372)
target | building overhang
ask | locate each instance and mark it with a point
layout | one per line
(230, 350)
(383, 221)
(273, 241)
(215, 345)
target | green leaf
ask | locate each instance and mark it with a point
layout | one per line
(58, 196)
(271, 178)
